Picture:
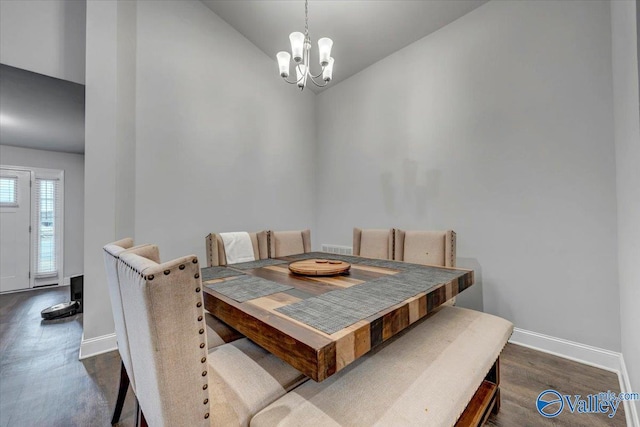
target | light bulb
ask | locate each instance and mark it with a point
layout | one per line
(283, 63)
(297, 42)
(327, 73)
(324, 50)
(301, 70)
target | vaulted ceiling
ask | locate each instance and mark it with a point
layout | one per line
(363, 32)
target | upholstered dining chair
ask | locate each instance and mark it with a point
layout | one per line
(112, 252)
(218, 332)
(373, 243)
(179, 381)
(216, 255)
(427, 247)
(285, 243)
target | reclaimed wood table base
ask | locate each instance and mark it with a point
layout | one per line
(313, 352)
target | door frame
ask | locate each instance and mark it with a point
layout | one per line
(45, 174)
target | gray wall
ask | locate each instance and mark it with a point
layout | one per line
(221, 143)
(45, 36)
(73, 167)
(627, 137)
(218, 142)
(499, 126)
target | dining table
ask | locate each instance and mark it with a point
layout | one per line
(321, 324)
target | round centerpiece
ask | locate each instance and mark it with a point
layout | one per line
(319, 267)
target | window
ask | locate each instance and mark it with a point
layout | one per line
(9, 191)
(48, 215)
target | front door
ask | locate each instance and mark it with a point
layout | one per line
(15, 223)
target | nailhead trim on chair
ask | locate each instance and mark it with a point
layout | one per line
(210, 239)
(268, 243)
(393, 243)
(201, 332)
(200, 318)
(453, 248)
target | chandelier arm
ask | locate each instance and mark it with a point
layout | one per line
(319, 74)
(290, 82)
(316, 83)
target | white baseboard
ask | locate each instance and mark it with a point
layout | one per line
(593, 356)
(582, 353)
(630, 408)
(94, 346)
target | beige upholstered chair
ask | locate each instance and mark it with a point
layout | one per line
(285, 243)
(216, 253)
(180, 382)
(112, 252)
(218, 332)
(426, 247)
(371, 243)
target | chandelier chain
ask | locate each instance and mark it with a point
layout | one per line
(306, 18)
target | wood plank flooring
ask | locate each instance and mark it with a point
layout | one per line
(42, 383)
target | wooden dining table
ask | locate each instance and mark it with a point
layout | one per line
(321, 324)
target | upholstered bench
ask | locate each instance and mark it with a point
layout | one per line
(440, 372)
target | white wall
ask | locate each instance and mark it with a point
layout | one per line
(73, 167)
(45, 36)
(211, 141)
(627, 144)
(221, 143)
(499, 126)
(107, 135)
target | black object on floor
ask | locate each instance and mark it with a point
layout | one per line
(60, 310)
(76, 288)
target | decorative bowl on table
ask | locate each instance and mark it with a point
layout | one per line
(319, 267)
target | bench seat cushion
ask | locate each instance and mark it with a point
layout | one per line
(244, 378)
(426, 377)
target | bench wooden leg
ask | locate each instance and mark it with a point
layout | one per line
(122, 394)
(485, 401)
(494, 377)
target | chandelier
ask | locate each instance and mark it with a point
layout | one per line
(300, 49)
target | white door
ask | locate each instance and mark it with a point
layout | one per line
(15, 222)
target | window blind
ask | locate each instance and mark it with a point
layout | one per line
(9, 191)
(47, 238)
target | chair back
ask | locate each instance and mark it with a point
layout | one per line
(112, 252)
(373, 243)
(426, 247)
(285, 243)
(215, 248)
(163, 308)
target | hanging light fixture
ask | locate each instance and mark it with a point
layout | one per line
(300, 50)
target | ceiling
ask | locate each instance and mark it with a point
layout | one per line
(41, 112)
(363, 32)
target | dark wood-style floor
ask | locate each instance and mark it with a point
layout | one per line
(42, 383)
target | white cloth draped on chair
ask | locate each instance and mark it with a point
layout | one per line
(238, 247)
